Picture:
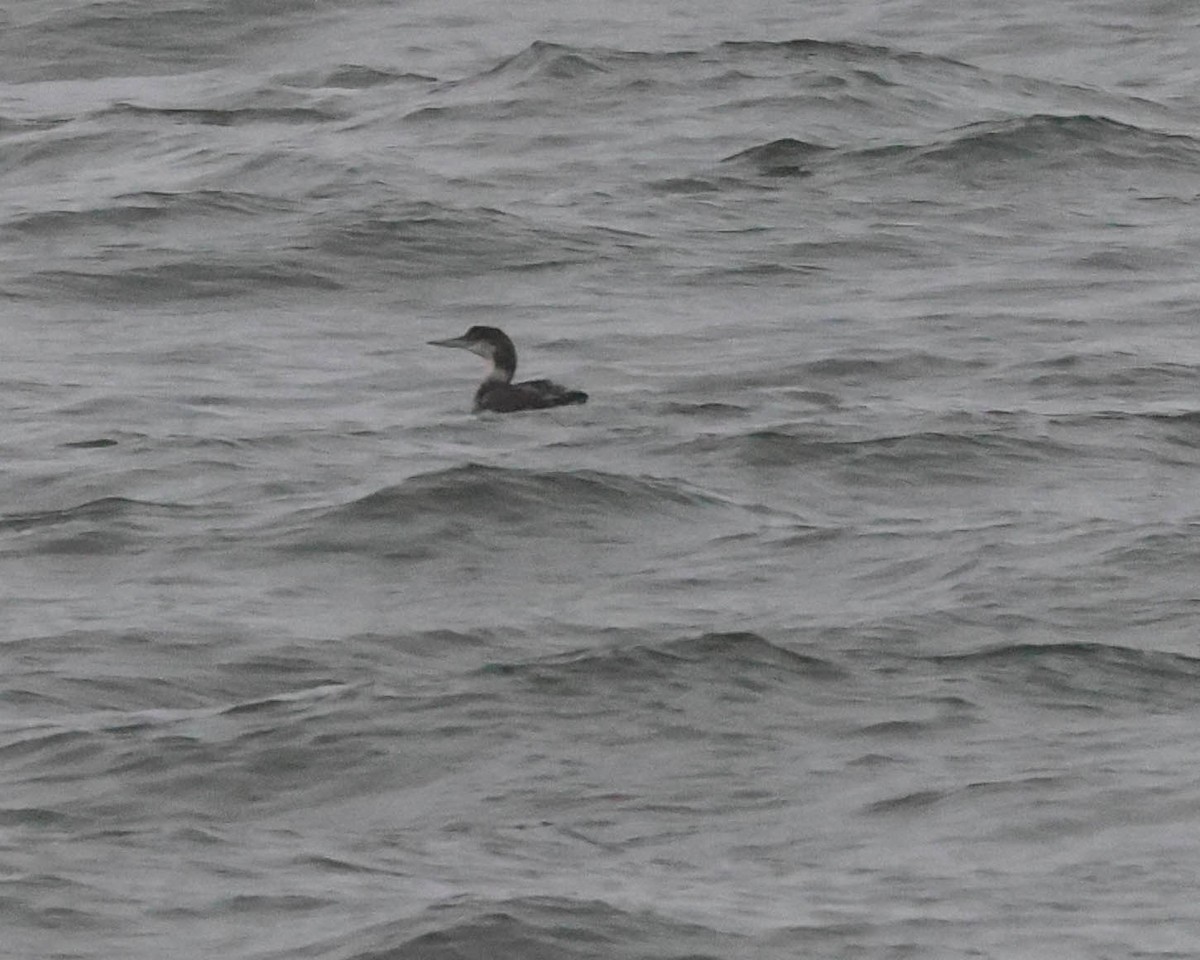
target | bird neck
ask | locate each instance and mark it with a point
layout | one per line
(504, 363)
(499, 374)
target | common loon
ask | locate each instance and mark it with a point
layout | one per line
(498, 392)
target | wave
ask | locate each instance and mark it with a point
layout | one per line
(993, 147)
(1117, 370)
(1073, 140)
(917, 457)
(231, 116)
(95, 443)
(1085, 676)
(737, 658)
(506, 492)
(555, 61)
(102, 508)
(183, 279)
(147, 207)
(558, 62)
(535, 926)
(353, 76)
(775, 79)
(516, 494)
(784, 157)
(890, 89)
(426, 239)
(15, 125)
(835, 372)
(102, 526)
(466, 506)
(47, 153)
(84, 41)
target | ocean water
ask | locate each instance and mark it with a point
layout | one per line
(857, 615)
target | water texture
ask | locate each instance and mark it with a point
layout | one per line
(855, 616)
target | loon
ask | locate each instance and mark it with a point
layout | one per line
(497, 392)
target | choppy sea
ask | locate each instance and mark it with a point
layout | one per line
(857, 615)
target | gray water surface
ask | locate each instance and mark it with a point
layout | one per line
(854, 616)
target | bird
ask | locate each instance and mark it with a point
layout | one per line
(498, 393)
